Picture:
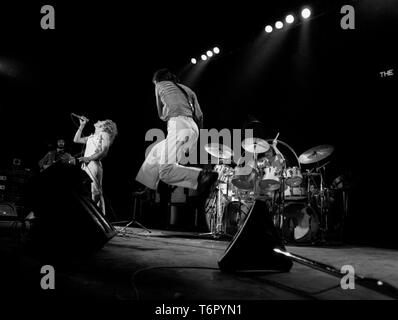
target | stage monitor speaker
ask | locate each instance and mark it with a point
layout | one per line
(67, 221)
(252, 248)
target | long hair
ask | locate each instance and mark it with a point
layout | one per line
(164, 75)
(110, 127)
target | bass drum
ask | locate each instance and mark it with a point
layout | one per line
(300, 223)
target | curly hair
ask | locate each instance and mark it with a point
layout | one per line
(110, 127)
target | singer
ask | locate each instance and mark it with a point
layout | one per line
(97, 147)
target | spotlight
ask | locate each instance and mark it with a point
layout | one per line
(289, 18)
(268, 29)
(306, 13)
(209, 53)
(279, 25)
(216, 50)
(204, 57)
(193, 61)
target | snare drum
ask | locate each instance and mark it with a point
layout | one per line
(271, 180)
(293, 176)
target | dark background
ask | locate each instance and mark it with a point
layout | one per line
(313, 82)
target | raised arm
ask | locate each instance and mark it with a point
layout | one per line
(78, 135)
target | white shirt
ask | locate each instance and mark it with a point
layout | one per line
(95, 143)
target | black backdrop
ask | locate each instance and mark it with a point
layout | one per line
(314, 83)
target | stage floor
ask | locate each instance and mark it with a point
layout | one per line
(166, 265)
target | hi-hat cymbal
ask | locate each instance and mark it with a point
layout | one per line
(219, 150)
(316, 154)
(255, 145)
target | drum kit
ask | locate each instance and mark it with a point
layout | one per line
(297, 200)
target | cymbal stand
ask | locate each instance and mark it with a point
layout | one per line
(324, 218)
(281, 205)
(216, 217)
(256, 173)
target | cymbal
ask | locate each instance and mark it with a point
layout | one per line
(219, 150)
(255, 145)
(316, 154)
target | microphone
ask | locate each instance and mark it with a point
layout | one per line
(80, 117)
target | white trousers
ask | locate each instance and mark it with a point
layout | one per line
(162, 162)
(95, 172)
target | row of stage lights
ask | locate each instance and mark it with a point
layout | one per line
(305, 14)
(208, 55)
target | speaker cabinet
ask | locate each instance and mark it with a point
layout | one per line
(252, 248)
(67, 220)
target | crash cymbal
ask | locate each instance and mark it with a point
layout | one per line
(316, 154)
(219, 150)
(255, 145)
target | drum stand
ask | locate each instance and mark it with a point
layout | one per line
(216, 231)
(322, 208)
(280, 206)
(323, 214)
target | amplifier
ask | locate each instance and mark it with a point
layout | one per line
(8, 210)
(13, 185)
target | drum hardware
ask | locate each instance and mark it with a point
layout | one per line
(298, 190)
(292, 195)
(216, 204)
(314, 156)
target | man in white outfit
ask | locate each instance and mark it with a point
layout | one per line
(97, 147)
(179, 107)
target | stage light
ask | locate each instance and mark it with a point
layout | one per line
(306, 13)
(268, 29)
(279, 25)
(193, 61)
(289, 18)
(204, 57)
(209, 53)
(216, 50)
